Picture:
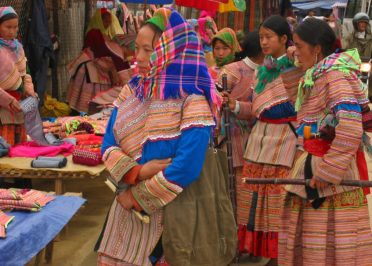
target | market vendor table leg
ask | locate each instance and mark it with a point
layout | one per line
(58, 188)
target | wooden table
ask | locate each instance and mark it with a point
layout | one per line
(17, 167)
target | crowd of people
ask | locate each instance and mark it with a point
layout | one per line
(296, 104)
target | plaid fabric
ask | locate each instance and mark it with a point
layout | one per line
(178, 66)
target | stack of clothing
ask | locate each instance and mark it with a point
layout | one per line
(74, 125)
(19, 199)
(87, 150)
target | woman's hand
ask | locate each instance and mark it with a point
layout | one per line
(153, 167)
(14, 106)
(227, 99)
(30, 92)
(291, 50)
(316, 183)
(125, 199)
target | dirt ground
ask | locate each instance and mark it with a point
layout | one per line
(75, 245)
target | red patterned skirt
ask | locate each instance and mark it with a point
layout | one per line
(259, 209)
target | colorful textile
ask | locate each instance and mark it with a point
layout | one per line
(13, 134)
(9, 194)
(167, 116)
(263, 208)
(5, 10)
(337, 233)
(228, 37)
(160, 18)
(24, 199)
(335, 99)
(12, 69)
(4, 221)
(240, 78)
(346, 62)
(271, 70)
(177, 64)
(207, 24)
(270, 153)
(69, 125)
(277, 99)
(97, 23)
(32, 150)
(232, 5)
(95, 70)
(273, 144)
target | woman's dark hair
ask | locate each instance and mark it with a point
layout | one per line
(214, 40)
(8, 17)
(315, 31)
(156, 29)
(279, 25)
(250, 46)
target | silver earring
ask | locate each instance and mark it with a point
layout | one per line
(316, 59)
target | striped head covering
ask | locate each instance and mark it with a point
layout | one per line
(227, 36)
(14, 44)
(178, 66)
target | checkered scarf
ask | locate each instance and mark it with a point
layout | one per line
(178, 66)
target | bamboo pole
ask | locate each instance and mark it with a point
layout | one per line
(231, 172)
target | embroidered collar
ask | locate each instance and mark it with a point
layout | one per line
(271, 70)
(250, 63)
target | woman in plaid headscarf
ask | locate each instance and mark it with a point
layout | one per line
(149, 145)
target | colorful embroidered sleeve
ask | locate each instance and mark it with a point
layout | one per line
(187, 164)
(116, 161)
(185, 168)
(342, 101)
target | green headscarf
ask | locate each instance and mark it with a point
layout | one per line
(160, 18)
(346, 62)
(270, 71)
(228, 37)
(97, 23)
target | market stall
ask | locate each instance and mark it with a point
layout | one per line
(21, 168)
(30, 232)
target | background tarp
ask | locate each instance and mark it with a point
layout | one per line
(325, 4)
